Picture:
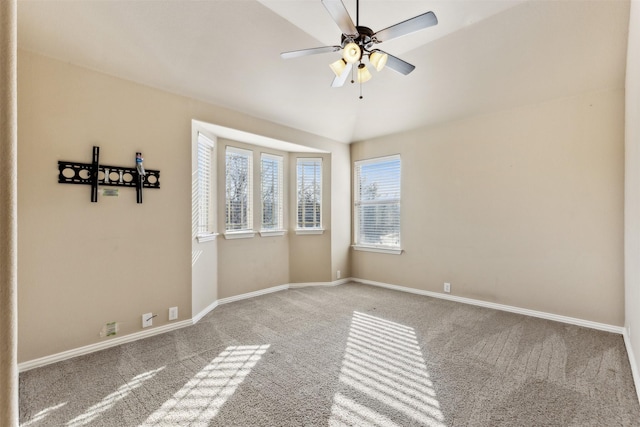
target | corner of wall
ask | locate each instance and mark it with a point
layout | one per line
(632, 193)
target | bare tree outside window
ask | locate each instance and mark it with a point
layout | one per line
(377, 202)
(272, 197)
(309, 193)
(238, 178)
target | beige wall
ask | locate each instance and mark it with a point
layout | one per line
(83, 264)
(341, 204)
(522, 207)
(632, 187)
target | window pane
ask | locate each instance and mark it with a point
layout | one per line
(309, 193)
(377, 202)
(238, 189)
(272, 194)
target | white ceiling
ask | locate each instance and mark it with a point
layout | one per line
(483, 56)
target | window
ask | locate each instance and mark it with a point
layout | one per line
(238, 177)
(309, 193)
(377, 204)
(204, 187)
(272, 193)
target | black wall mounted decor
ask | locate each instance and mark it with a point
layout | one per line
(95, 174)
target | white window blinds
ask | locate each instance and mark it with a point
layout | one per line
(205, 186)
(239, 177)
(272, 193)
(377, 202)
(309, 183)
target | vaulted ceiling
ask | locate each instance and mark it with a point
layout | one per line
(482, 56)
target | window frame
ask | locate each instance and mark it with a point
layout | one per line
(247, 231)
(278, 229)
(358, 203)
(318, 198)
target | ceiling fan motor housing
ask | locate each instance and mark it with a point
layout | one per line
(364, 39)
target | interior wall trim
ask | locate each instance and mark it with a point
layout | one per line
(632, 361)
(502, 307)
(102, 345)
(253, 294)
(334, 283)
(208, 309)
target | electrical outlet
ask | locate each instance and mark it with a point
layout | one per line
(338, 274)
(447, 287)
(147, 320)
(173, 313)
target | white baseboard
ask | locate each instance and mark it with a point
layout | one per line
(305, 285)
(501, 307)
(204, 312)
(102, 345)
(253, 294)
(632, 362)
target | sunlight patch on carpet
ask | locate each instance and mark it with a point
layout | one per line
(105, 404)
(384, 375)
(198, 402)
(42, 414)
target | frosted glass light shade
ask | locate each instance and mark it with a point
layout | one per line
(352, 53)
(363, 74)
(338, 67)
(378, 59)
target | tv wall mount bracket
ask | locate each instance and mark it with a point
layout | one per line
(95, 175)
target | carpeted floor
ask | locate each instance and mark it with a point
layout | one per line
(348, 355)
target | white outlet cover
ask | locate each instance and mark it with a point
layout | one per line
(147, 320)
(173, 313)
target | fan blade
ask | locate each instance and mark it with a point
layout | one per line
(339, 13)
(409, 26)
(399, 65)
(312, 51)
(339, 81)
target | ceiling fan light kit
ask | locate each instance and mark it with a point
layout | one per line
(357, 42)
(378, 59)
(338, 66)
(352, 53)
(363, 73)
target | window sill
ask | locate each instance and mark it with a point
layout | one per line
(272, 233)
(303, 231)
(245, 234)
(378, 249)
(206, 237)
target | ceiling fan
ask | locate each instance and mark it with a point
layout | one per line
(358, 42)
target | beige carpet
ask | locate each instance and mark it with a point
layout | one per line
(348, 355)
